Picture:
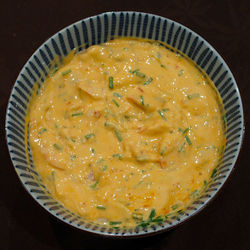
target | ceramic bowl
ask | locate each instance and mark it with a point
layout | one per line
(96, 30)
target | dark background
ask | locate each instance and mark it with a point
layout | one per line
(25, 25)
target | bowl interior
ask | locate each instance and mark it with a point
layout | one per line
(96, 30)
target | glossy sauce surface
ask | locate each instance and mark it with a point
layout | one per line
(126, 132)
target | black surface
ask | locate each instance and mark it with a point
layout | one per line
(25, 25)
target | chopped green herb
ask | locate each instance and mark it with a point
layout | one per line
(188, 140)
(92, 150)
(111, 82)
(163, 151)
(77, 114)
(101, 207)
(181, 147)
(195, 194)
(158, 55)
(118, 135)
(193, 96)
(143, 171)
(142, 100)
(158, 219)
(53, 175)
(150, 79)
(111, 223)
(213, 173)
(105, 168)
(137, 216)
(165, 109)
(163, 66)
(185, 130)
(119, 156)
(175, 206)
(66, 72)
(127, 117)
(180, 72)
(152, 214)
(57, 147)
(94, 185)
(205, 184)
(144, 224)
(116, 103)
(73, 157)
(117, 95)
(138, 73)
(161, 114)
(54, 71)
(88, 136)
(42, 131)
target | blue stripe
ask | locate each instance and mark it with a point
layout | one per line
(21, 130)
(77, 36)
(183, 33)
(151, 28)
(224, 84)
(164, 28)
(197, 50)
(192, 48)
(55, 46)
(187, 42)
(99, 30)
(16, 146)
(106, 27)
(126, 25)
(85, 34)
(231, 103)
(157, 29)
(216, 72)
(92, 28)
(138, 26)
(176, 36)
(206, 60)
(49, 52)
(16, 133)
(170, 33)
(44, 57)
(17, 108)
(145, 23)
(113, 24)
(132, 24)
(121, 23)
(11, 110)
(70, 39)
(22, 95)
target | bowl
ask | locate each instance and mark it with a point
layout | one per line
(96, 30)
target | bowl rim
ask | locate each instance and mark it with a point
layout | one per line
(206, 202)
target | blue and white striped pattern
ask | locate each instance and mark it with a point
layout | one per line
(96, 30)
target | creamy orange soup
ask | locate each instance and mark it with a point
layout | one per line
(126, 132)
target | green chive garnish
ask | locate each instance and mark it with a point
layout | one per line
(142, 100)
(57, 147)
(138, 73)
(66, 72)
(117, 95)
(118, 135)
(111, 82)
(101, 207)
(163, 66)
(188, 140)
(185, 130)
(180, 72)
(92, 150)
(115, 223)
(94, 185)
(88, 136)
(137, 216)
(193, 96)
(42, 131)
(77, 114)
(116, 103)
(213, 173)
(163, 151)
(119, 156)
(150, 79)
(175, 206)
(152, 214)
(105, 168)
(158, 219)
(181, 147)
(161, 114)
